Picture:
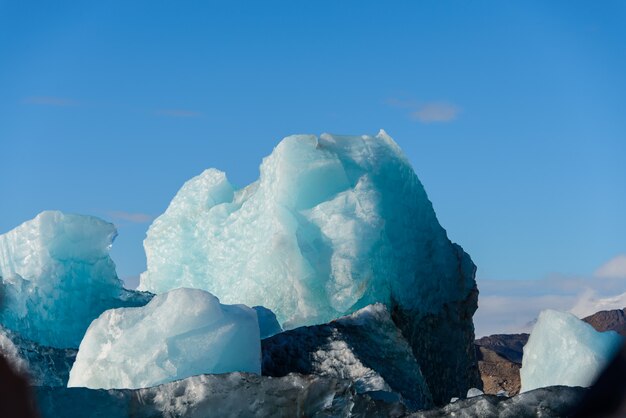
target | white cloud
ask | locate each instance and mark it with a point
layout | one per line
(590, 303)
(506, 313)
(138, 218)
(436, 112)
(509, 306)
(427, 112)
(615, 268)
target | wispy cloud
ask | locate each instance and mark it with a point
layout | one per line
(179, 113)
(427, 112)
(615, 268)
(138, 218)
(50, 101)
(504, 314)
(507, 306)
(589, 303)
(436, 112)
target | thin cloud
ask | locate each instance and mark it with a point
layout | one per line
(138, 218)
(427, 112)
(50, 101)
(178, 113)
(615, 268)
(436, 112)
(511, 306)
(590, 303)
(510, 314)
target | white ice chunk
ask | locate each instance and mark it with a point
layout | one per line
(57, 276)
(563, 350)
(178, 334)
(473, 392)
(333, 224)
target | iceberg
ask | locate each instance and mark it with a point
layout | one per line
(564, 350)
(333, 224)
(180, 333)
(56, 276)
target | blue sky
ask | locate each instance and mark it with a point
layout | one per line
(512, 113)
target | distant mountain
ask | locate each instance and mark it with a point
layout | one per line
(613, 320)
(509, 346)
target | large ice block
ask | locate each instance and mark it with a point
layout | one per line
(564, 350)
(56, 277)
(180, 333)
(333, 224)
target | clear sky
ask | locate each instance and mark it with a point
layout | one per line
(512, 113)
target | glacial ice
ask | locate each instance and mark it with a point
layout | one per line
(56, 276)
(248, 395)
(43, 366)
(180, 333)
(224, 395)
(11, 352)
(333, 224)
(268, 324)
(564, 350)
